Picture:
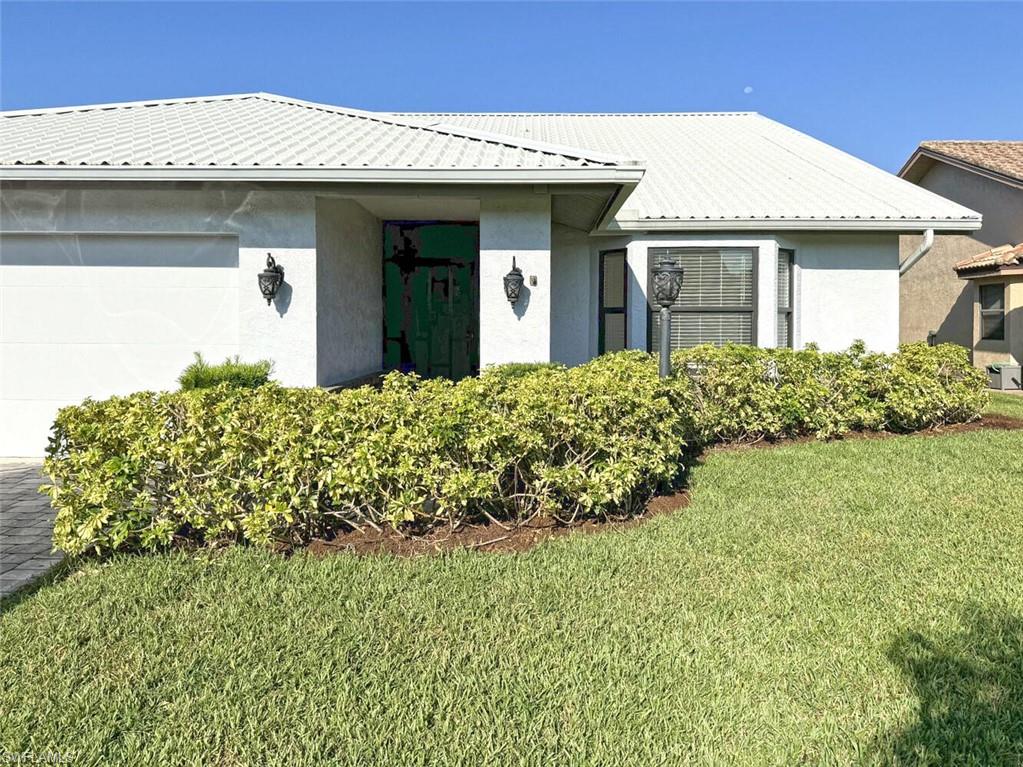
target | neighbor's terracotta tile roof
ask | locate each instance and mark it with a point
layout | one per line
(1003, 255)
(1005, 157)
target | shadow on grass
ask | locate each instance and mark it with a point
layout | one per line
(970, 688)
(56, 573)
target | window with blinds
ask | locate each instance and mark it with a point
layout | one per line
(613, 279)
(716, 304)
(785, 260)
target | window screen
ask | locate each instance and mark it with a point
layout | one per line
(613, 278)
(992, 312)
(715, 305)
(785, 261)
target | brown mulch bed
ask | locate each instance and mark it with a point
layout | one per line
(998, 422)
(494, 538)
(487, 537)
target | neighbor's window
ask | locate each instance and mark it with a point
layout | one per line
(992, 312)
(785, 260)
(613, 277)
(716, 302)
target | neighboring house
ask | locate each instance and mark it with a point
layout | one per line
(133, 234)
(986, 176)
(995, 278)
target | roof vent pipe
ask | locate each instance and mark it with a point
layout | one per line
(920, 252)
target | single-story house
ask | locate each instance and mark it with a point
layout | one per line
(132, 235)
(995, 279)
(986, 176)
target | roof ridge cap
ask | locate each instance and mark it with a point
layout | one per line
(128, 104)
(395, 118)
(705, 113)
(972, 141)
(387, 118)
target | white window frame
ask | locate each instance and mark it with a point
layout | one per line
(764, 316)
(790, 310)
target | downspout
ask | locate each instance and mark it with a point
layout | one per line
(921, 251)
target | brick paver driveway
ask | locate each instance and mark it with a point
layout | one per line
(26, 523)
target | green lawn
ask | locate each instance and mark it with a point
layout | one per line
(855, 602)
(1006, 404)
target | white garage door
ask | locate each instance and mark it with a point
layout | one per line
(91, 315)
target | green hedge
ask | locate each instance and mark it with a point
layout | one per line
(743, 393)
(275, 464)
(287, 464)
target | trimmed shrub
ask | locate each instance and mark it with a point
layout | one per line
(744, 393)
(924, 386)
(519, 369)
(275, 464)
(202, 375)
(271, 464)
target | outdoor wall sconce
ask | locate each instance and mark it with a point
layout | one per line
(270, 279)
(667, 284)
(513, 283)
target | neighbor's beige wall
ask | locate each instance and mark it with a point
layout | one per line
(1011, 349)
(931, 296)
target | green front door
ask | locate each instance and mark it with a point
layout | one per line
(431, 298)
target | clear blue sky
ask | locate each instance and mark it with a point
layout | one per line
(873, 79)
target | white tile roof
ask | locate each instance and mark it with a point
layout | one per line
(261, 130)
(730, 167)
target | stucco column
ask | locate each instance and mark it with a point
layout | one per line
(767, 294)
(518, 227)
(636, 293)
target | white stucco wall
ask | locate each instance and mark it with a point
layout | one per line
(846, 288)
(573, 308)
(636, 292)
(106, 291)
(516, 226)
(349, 261)
(264, 221)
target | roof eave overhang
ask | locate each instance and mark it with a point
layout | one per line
(605, 222)
(1004, 270)
(909, 171)
(628, 175)
(794, 224)
(919, 163)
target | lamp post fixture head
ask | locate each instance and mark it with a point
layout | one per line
(667, 283)
(270, 279)
(513, 283)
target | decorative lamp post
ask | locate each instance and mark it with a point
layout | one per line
(667, 284)
(270, 279)
(513, 283)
